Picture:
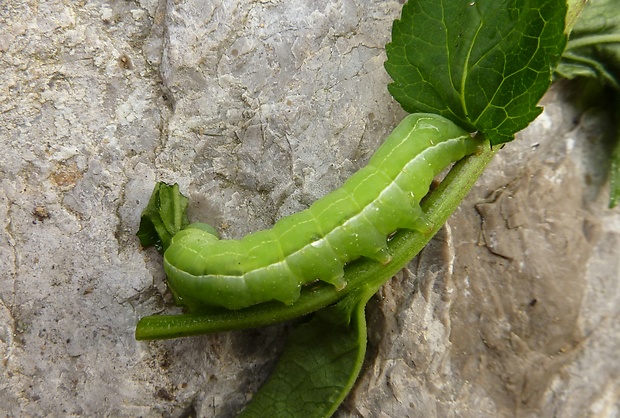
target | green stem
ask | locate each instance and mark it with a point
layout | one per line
(405, 244)
(593, 40)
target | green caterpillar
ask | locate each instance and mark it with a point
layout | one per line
(315, 244)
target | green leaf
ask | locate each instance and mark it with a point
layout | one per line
(319, 365)
(575, 7)
(484, 64)
(593, 51)
(594, 46)
(163, 217)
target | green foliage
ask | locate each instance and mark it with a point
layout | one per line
(483, 64)
(593, 51)
(163, 217)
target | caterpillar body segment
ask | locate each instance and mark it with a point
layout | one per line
(351, 222)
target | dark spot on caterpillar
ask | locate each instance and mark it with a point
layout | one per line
(533, 302)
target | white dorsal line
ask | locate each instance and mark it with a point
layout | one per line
(325, 238)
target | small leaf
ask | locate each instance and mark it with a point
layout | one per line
(594, 46)
(484, 64)
(163, 217)
(593, 51)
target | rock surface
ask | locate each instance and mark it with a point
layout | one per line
(257, 108)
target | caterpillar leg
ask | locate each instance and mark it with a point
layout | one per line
(317, 261)
(416, 219)
(382, 256)
(337, 281)
(422, 223)
(275, 282)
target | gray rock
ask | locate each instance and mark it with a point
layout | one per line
(257, 108)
